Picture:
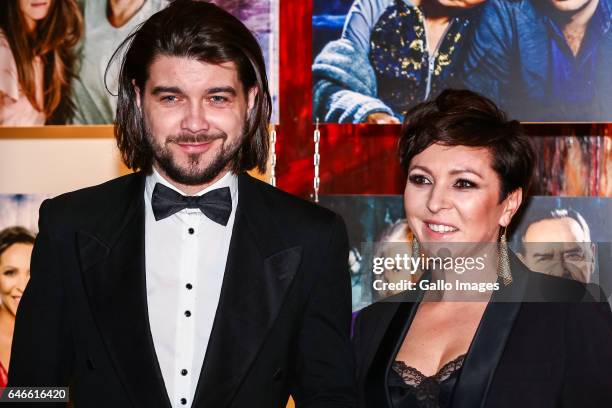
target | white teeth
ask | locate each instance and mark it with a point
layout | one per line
(441, 228)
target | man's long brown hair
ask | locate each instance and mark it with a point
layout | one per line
(53, 39)
(202, 31)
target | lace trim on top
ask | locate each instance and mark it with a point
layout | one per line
(415, 378)
(429, 392)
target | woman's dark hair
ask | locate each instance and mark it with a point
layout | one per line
(465, 118)
(203, 31)
(53, 41)
(14, 235)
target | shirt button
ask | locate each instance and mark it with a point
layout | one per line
(187, 313)
(191, 231)
(184, 401)
(189, 286)
(183, 372)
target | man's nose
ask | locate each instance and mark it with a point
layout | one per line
(196, 118)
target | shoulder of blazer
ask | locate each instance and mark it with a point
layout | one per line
(289, 213)
(92, 205)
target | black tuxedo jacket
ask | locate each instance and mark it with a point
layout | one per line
(282, 323)
(524, 354)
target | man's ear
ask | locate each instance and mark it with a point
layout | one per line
(137, 92)
(511, 205)
(251, 97)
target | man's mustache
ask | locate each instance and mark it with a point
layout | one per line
(196, 138)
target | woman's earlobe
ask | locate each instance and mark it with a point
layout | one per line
(512, 203)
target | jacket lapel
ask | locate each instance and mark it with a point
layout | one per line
(490, 340)
(113, 269)
(259, 271)
(393, 326)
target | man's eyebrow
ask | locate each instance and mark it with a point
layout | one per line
(573, 250)
(166, 89)
(541, 254)
(221, 89)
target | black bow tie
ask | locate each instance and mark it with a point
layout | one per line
(216, 204)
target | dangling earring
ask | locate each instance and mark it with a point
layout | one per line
(416, 253)
(416, 249)
(503, 261)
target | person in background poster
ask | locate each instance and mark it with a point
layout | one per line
(107, 24)
(15, 251)
(392, 55)
(37, 40)
(544, 60)
(558, 243)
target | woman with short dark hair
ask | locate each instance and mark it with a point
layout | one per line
(519, 341)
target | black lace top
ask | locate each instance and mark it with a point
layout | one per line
(409, 388)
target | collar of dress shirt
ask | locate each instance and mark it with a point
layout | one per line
(228, 180)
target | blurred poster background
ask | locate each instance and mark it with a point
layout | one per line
(20, 210)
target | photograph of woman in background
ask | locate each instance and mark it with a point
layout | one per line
(37, 40)
(16, 245)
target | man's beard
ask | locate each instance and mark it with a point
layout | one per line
(192, 175)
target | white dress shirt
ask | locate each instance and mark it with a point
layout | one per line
(185, 257)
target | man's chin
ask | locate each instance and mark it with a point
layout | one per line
(189, 175)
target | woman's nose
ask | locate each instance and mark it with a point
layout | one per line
(438, 198)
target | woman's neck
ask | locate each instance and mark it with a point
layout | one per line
(462, 283)
(30, 24)
(121, 11)
(7, 321)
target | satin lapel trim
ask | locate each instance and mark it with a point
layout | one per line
(254, 288)
(114, 280)
(489, 342)
(376, 382)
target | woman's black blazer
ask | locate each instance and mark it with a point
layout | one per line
(525, 354)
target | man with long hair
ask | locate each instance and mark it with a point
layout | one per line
(189, 283)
